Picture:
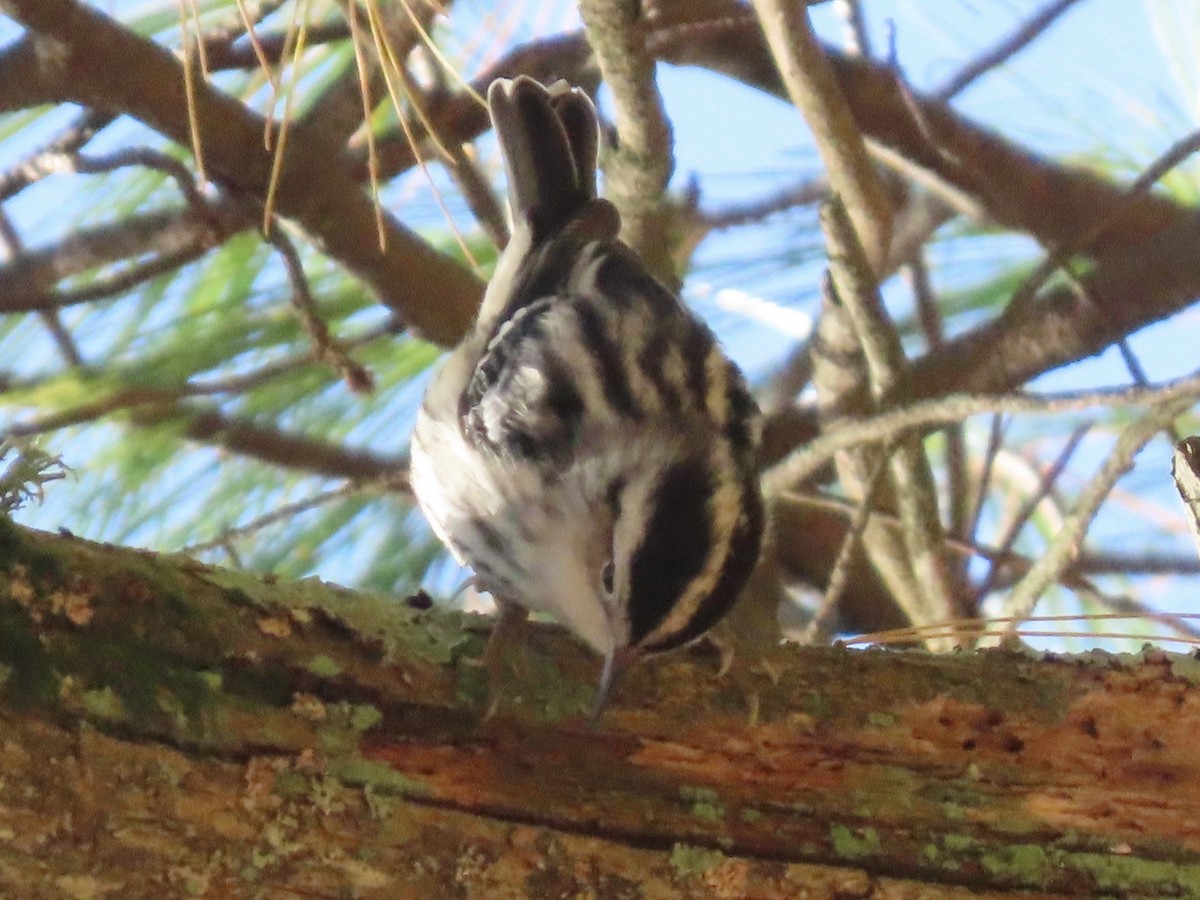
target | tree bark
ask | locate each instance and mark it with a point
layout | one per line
(172, 729)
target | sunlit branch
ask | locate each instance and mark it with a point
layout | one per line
(803, 463)
(1048, 568)
(639, 168)
(811, 85)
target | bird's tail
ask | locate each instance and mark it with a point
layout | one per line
(549, 138)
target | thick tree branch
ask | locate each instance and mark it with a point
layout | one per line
(162, 716)
(73, 47)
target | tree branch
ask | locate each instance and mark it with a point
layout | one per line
(1018, 189)
(1005, 50)
(174, 728)
(75, 63)
(638, 170)
(170, 237)
(809, 79)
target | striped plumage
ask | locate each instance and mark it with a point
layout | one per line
(588, 449)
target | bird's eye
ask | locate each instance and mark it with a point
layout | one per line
(607, 576)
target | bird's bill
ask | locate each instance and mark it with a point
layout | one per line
(616, 663)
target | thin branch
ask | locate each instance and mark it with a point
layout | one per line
(911, 475)
(284, 513)
(279, 448)
(839, 575)
(957, 487)
(43, 162)
(153, 408)
(239, 384)
(1048, 568)
(1115, 562)
(326, 348)
(1022, 516)
(990, 454)
(12, 246)
(1011, 45)
(136, 156)
(170, 238)
(265, 49)
(800, 465)
(754, 212)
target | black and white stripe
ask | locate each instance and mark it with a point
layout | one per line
(590, 412)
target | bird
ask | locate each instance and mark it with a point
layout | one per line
(587, 449)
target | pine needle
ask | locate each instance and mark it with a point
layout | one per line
(289, 95)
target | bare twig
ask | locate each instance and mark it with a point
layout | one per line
(325, 347)
(265, 50)
(801, 464)
(1025, 34)
(43, 162)
(282, 514)
(990, 454)
(239, 384)
(957, 488)
(168, 238)
(150, 408)
(1115, 562)
(1022, 516)
(839, 575)
(135, 156)
(1048, 568)
(752, 212)
(11, 247)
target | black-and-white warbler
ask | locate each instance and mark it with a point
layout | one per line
(588, 449)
